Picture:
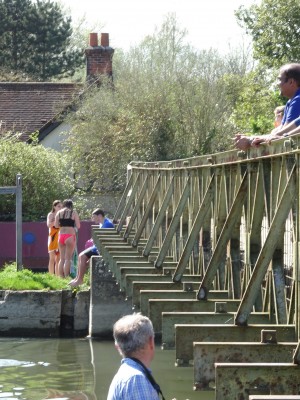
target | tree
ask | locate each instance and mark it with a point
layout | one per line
(168, 102)
(254, 108)
(45, 178)
(14, 16)
(275, 30)
(35, 39)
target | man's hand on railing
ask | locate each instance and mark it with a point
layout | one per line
(242, 142)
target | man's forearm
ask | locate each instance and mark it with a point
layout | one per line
(287, 128)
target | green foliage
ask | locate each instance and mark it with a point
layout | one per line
(275, 30)
(10, 75)
(11, 279)
(257, 99)
(168, 101)
(45, 173)
(35, 39)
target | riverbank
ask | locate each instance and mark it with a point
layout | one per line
(40, 313)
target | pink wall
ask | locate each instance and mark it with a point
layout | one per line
(35, 236)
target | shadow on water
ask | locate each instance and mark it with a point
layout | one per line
(79, 369)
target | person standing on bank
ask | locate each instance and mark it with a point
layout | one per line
(53, 238)
(67, 220)
(98, 217)
(134, 339)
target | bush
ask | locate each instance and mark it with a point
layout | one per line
(45, 174)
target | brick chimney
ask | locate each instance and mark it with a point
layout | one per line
(98, 57)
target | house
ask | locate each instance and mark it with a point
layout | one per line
(29, 107)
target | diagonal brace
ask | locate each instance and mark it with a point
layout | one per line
(218, 254)
(267, 251)
(149, 206)
(159, 218)
(173, 225)
(201, 215)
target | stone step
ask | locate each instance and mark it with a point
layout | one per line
(154, 278)
(130, 252)
(135, 264)
(131, 258)
(146, 270)
(187, 334)
(119, 247)
(146, 295)
(104, 231)
(161, 286)
(123, 255)
(206, 353)
(170, 319)
(110, 239)
(142, 242)
(241, 378)
(157, 307)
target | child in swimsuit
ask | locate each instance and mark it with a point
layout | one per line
(53, 238)
(67, 220)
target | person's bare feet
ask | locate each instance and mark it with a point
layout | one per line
(75, 283)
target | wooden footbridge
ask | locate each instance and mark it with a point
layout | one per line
(208, 248)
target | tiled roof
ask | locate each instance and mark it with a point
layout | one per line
(26, 107)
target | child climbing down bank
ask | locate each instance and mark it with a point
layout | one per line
(98, 217)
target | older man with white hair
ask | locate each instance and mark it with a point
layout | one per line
(134, 339)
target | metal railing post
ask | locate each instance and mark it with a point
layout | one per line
(19, 221)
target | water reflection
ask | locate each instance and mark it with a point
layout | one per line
(78, 369)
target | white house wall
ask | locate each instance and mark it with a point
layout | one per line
(55, 138)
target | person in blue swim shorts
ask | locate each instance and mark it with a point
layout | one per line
(98, 217)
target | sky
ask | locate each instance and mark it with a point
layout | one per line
(210, 23)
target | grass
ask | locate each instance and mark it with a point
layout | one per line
(11, 279)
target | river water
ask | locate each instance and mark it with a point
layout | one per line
(79, 369)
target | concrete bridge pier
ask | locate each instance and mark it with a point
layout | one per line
(107, 303)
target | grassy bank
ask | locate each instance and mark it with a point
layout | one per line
(11, 279)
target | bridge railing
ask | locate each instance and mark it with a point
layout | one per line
(231, 217)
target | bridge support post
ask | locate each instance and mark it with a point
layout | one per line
(107, 303)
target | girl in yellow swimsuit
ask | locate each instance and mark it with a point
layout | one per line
(53, 238)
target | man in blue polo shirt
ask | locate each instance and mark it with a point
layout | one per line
(134, 339)
(98, 217)
(289, 86)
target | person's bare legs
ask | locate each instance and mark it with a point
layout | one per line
(51, 265)
(83, 263)
(62, 251)
(57, 258)
(69, 250)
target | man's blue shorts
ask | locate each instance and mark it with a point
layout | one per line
(91, 251)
